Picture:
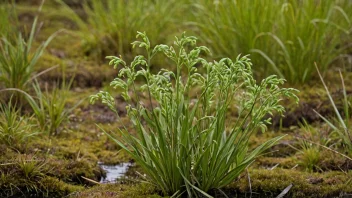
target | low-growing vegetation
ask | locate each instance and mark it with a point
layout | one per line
(14, 128)
(109, 26)
(285, 37)
(186, 145)
(18, 59)
(341, 127)
(182, 120)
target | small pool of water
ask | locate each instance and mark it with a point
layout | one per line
(114, 172)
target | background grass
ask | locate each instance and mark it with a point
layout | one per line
(108, 27)
(284, 37)
(14, 128)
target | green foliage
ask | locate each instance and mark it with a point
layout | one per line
(284, 37)
(4, 20)
(31, 169)
(28, 175)
(183, 143)
(341, 126)
(312, 134)
(14, 128)
(110, 25)
(310, 157)
(311, 144)
(287, 36)
(49, 107)
(18, 58)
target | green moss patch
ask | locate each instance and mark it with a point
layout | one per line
(120, 190)
(270, 183)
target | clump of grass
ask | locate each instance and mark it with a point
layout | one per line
(18, 58)
(310, 146)
(340, 125)
(50, 107)
(229, 27)
(184, 144)
(14, 128)
(31, 168)
(27, 175)
(310, 156)
(109, 26)
(285, 37)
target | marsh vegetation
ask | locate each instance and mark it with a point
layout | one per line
(204, 98)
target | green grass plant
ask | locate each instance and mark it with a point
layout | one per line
(310, 157)
(310, 146)
(14, 128)
(183, 143)
(285, 37)
(49, 107)
(18, 58)
(341, 124)
(30, 167)
(23, 177)
(108, 27)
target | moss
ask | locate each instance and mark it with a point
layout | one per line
(52, 18)
(57, 188)
(29, 175)
(333, 161)
(271, 162)
(120, 190)
(48, 61)
(264, 183)
(73, 171)
(270, 183)
(67, 160)
(11, 186)
(113, 157)
(313, 97)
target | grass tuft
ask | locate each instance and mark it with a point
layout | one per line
(284, 37)
(108, 27)
(14, 128)
(18, 58)
(184, 144)
(341, 126)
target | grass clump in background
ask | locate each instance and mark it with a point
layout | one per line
(18, 59)
(108, 27)
(50, 107)
(340, 126)
(183, 144)
(284, 37)
(14, 128)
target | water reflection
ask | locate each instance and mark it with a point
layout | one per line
(114, 172)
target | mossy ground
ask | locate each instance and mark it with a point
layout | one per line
(57, 166)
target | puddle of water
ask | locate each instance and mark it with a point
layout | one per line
(114, 172)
